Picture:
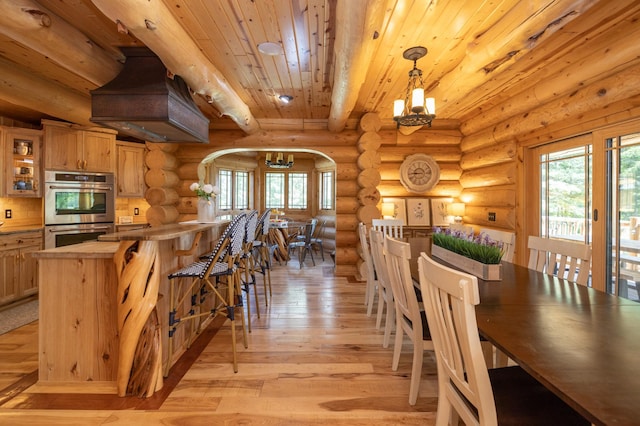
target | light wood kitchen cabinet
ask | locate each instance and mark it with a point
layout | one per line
(76, 148)
(18, 269)
(130, 170)
(22, 167)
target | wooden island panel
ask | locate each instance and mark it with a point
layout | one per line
(78, 338)
(78, 307)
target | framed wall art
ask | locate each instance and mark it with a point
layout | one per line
(418, 212)
(439, 211)
(399, 208)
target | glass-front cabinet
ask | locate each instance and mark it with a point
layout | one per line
(22, 166)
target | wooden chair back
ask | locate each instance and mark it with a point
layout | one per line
(410, 320)
(449, 298)
(385, 293)
(565, 259)
(390, 227)
(369, 268)
(508, 240)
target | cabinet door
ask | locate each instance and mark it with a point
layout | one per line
(22, 171)
(9, 273)
(28, 271)
(61, 148)
(130, 175)
(98, 152)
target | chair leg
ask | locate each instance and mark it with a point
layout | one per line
(371, 289)
(308, 249)
(397, 347)
(388, 325)
(381, 302)
(416, 369)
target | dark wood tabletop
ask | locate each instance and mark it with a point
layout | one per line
(579, 342)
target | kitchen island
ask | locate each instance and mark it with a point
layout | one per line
(79, 335)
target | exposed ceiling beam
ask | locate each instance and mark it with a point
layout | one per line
(154, 25)
(356, 24)
(21, 87)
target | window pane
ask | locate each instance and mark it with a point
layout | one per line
(242, 190)
(225, 183)
(565, 194)
(297, 191)
(274, 190)
(623, 218)
(326, 192)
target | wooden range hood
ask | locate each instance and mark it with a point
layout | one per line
(143, 102)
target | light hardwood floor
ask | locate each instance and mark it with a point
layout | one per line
(314, 357)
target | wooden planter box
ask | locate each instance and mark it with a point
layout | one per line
(473, 267)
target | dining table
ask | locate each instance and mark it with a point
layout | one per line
(579, 342)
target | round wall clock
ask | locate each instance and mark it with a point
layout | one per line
(419, 173)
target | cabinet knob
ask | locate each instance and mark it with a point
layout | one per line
(78, 165)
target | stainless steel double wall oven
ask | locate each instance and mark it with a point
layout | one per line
(78, 207)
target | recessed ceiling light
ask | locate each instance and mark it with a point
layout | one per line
(285, 98)
(270, 48)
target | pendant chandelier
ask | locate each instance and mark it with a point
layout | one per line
(419, 111)
(279, 162)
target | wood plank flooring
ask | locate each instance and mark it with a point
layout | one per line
(314, 357)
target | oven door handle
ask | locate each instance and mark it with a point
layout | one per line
(102, 188)
(56, 229)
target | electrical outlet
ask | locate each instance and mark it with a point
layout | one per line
(7, 214)
(136, 211)
(492, 217)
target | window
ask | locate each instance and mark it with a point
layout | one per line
(292, 184)
(235, 189)
(565, 186)
(225, 182)
(297, 191)
(274, 188)
(242, 190)
(326, 190)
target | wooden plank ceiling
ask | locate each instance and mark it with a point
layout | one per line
(339, 60)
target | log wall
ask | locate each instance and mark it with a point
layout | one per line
(339, 147)
(493, 175)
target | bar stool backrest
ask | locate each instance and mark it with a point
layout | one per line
(237, 237)
(252, 223)
(222, 246)
(263, 224)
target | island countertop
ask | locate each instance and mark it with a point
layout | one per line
(162, 232)
(86, 250)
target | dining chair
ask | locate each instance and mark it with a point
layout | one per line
(385, 293)
(566, 259)
(466, 388)
(372, 282)
(410, 319)
(316, 238)
(206, 280)
(391, 227)
(303, 246)
(264, 252)
(508, 240)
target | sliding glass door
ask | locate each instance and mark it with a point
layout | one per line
(588, 190)
(622, 214)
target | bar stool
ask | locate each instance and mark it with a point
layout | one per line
(246, 263)
(263, 252)
(220, 263)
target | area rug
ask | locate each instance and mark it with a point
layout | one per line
(17, 316)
